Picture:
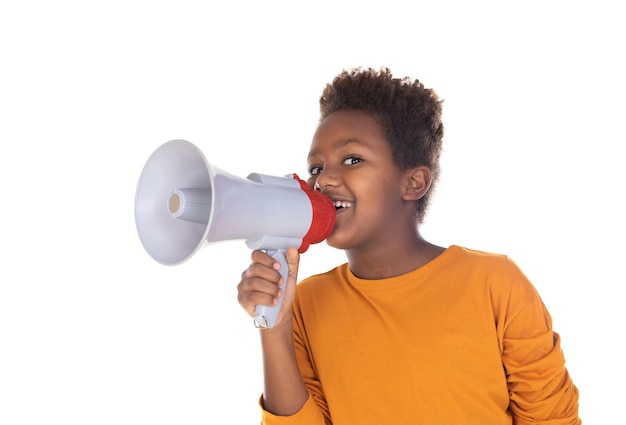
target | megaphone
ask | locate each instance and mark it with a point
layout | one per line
(184, 203)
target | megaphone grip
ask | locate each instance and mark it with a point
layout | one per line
(265, 316)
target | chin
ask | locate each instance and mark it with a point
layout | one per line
(337, 242)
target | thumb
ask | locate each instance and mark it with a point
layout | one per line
(293, 261)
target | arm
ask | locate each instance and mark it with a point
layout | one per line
(284, 391)
(540, 386)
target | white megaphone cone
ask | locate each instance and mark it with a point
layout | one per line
(183, 203)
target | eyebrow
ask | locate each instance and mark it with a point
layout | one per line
(340, 144)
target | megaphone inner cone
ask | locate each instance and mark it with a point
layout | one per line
(174, 203)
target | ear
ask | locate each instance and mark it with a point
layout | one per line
(417, 182)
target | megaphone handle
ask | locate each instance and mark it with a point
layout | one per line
(265, 316)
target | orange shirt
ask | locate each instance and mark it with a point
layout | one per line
(464, 339)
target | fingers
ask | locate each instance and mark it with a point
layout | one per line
(260, 282)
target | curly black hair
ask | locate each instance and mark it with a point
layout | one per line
(409, 114)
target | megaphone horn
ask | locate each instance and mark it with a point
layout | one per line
(183, 203)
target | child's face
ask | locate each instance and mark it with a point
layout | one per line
(351, 162)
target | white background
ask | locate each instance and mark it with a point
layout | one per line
(93, 331)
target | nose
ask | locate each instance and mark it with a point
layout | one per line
(325, 180)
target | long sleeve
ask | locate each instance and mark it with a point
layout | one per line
(540, 386)
(309, 414)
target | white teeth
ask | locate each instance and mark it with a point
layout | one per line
(343, 204)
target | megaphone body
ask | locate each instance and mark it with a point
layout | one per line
(184, 203)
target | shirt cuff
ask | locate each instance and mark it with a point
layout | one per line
(309, 413)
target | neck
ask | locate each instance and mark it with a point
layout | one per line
(384, 262)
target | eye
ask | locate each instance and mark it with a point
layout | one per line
(352, 160)
(315, 170)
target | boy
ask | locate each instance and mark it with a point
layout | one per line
(406, 332)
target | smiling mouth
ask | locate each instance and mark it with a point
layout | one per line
(339, 205)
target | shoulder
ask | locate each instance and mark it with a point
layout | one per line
(476, 261)
(497, 273)
(323, 280)
(321, 291)
(498, 281)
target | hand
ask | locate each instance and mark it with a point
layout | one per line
(260, 283)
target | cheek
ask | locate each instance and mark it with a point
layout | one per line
(371, 185)
(380, 196)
